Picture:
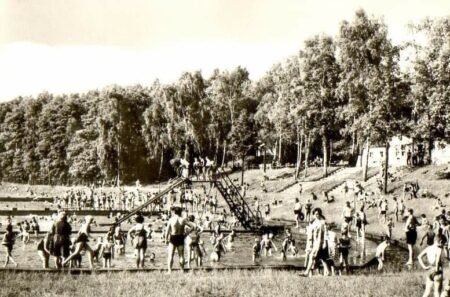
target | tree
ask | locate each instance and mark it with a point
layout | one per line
(320, 73)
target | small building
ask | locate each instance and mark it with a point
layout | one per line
(398, 153)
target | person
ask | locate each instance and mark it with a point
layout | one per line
(429, 236)
(344, 248)
(288, 244)
(411, 234)
(308, 208)
(267, 211)
(380, 251)
(194, 248)
(138, 233)
(298, 212)
(218, 247)
(106, 250)
(175, 237)
(267, 244)
(389, 226)
(256, 249)
(434, 257)
(43, 249)
(319, 251)
(61, 231)
(347, 213)
(229, 239)
(360, 223)
(81, 242)
(8, 242)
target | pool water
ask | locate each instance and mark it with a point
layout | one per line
(239, 255)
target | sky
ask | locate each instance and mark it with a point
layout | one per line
(66, 46)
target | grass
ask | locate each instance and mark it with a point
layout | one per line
(226, 283)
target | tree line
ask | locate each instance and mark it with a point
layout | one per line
(332, 99)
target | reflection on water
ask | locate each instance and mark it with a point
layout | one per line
(241, 254)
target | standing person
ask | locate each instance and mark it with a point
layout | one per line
(411, 234)
(8, 242)
(434, 257)
(175, 237)
(308, 207)
(43, 249)
(106, 250)
(319, 251)
(138, 233)
(380, 251)
(298, 212)
(396, 208)
(347, 214)
(61, 231)
(194, 249)
(361, 222)
(344, 247)
(81, 242)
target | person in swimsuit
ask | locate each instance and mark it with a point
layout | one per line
(229, 239)
(81, 242)
(411, 234)
(8, 243)
(434, 257)
(43, 249)
(106, 250)
(381, 250)
(175, 237)
(194, 250)
(267, 244)
(61, 231)
(138, 233)
(256, 249)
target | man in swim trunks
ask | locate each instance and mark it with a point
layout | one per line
(175, 236)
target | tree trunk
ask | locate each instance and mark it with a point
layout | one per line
(243, 168)
(216, 154)
(299, 156)
(306, 155)
(224, 152)
(331, 152)
(161, 165)
(279, 154)
(430, 147)
(366, 165)
(325, 155)
(353, 142)
(386, 166)
(264, 158)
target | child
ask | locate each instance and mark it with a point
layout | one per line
(218, 248)
(388, 228)
(256, 249)
(107, 250)
(230, 239)
(8, 243)
(267, 244)
(343, 248)
(380, 251)
(43, 249)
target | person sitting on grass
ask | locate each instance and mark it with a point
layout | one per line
(380, 251)
(434, 257)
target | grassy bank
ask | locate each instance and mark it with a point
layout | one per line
(228, 283)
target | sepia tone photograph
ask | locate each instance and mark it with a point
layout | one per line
(225, 148)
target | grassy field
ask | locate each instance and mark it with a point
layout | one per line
(226, 283)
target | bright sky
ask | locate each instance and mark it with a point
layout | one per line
(77, 45)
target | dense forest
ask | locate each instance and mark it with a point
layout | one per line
(332, 99)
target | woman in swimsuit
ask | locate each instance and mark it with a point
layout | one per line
(81, 242)
(8, 243)
(138, 233)
(43, 249)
